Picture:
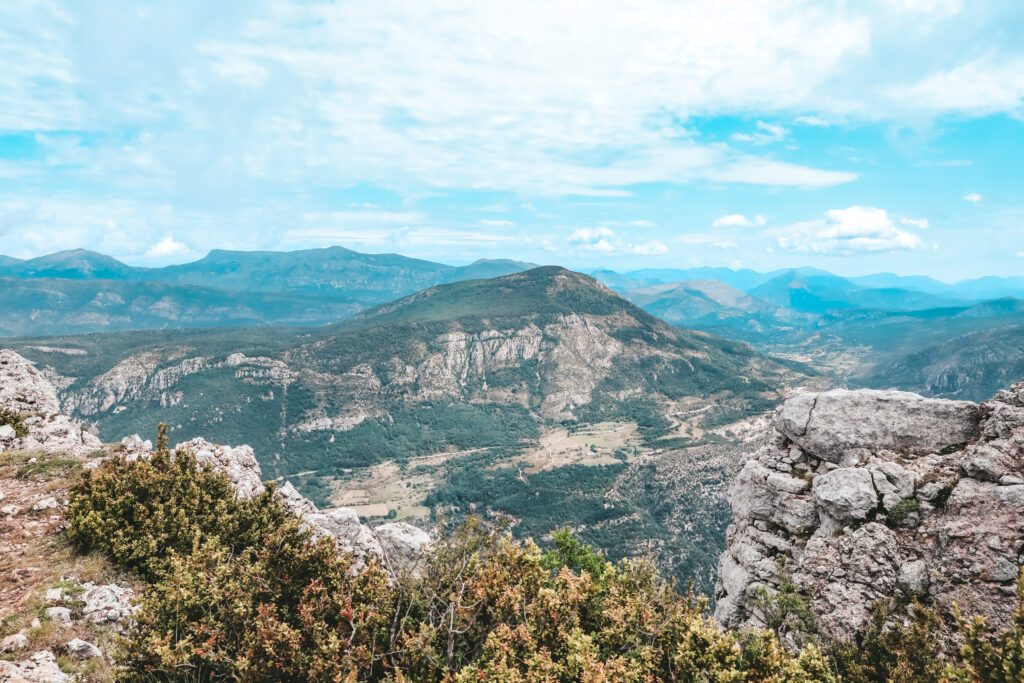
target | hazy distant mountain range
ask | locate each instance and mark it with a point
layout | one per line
(915, 333)
(909, 331)
(460, 394)
(82, 291)
(533, 392)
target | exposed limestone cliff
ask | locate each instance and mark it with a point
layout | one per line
(27, 395)
(867, 495)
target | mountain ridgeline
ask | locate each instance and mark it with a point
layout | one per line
(546, 344)
(538, 395)
(913, 333)
(81, 291)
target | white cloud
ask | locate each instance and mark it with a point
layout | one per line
(738, 220)
(167, 248)
(219, 109)
(853, 230)
(810, 120)
(590, 235)
(37, 75)
(986, 85)
(501, 95)
(651, 248)
(31, 226)
(973, 197)
(706, 240)
(756, 171)
(764, 133)
(603, 239)
(495, 223)
(919, 223)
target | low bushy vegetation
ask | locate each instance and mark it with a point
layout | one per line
(239, 590)
(15, 421)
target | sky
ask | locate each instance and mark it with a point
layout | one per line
(855, 136)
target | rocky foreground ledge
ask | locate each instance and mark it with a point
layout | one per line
(869, 495)
(30, 511)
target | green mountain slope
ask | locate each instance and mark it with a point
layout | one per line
(52, 306)
(536, 381)
(377, 277)
(716, 307)
(76, 264)
(81, 291)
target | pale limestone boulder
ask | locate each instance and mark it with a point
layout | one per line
(14, 643)
(831, 423)
(41, 667)
(61, 615)
(404, 546)
(238, 463)
(847, 494)
(24, 391)
(82, 649)
(907, 496)
(108, 603)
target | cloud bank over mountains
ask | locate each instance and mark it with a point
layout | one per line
(160, 131)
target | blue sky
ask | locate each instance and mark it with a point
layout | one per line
(878, 135)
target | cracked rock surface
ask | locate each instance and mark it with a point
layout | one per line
(868, 495)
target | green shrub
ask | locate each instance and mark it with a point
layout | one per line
(899, 645)
(239, 590)
(990, 656)
(14, 420)
(903, 509)
(141, 513)
(786, 611)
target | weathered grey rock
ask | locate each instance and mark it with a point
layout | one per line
(47, 503)
(847, 494)
(41, 667)
(82, 649)
(238, 463)
(909, 496)
(295, 502)
(26, 392)
(7, 433)
(14, 643)
(351, 536)
(107, 604)
(986, 463)
(893, 482)
(832, 423)
(61, 615)
(134, 446)
(913, 577)
(399, 546)
(404, 546)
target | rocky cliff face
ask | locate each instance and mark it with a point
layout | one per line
(868, 495)
(36, 569)
(398, 545)
(27, 396)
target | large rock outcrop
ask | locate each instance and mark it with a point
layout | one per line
(398, 545)
(27, 396)
(869, 495)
